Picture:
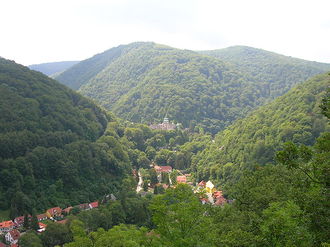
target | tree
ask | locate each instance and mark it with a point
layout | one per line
(56, 234)
(180, 218)
(153, 177)
(30, 239)
(34, 221)
(26, 223)
(284, 224)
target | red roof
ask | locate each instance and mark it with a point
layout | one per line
(217, 194)
(15, 234)
(6, 224)
(2, 245)
(54, 211)
(181, 179)
(41, 216)
(42, 225)
(163, 168)
(94, 204)
(62, 221)
(68, 209)
(14, 245)
(220, 201)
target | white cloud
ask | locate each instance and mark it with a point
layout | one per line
(41, 31)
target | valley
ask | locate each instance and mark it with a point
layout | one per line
(149, 145)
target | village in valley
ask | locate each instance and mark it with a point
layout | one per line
(159, 178)
(12, 230)
(155, 179)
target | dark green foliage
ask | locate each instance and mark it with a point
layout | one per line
(50, 151)
(254, 140)
(30, 239)
(143, 82)
(179, 218)
(53, 68)
(277, 73)
(56, 234)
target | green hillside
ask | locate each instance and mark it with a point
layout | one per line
(50, 151)
(278, 71)
(143, 82)
(295, 116)
(52, 68)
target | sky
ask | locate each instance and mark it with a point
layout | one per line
(39, 31)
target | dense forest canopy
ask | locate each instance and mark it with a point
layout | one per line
(252, 141)
(279, 71)
(49, 153)
(143, 82)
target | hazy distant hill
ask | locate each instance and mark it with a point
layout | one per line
(50, 152)
(52, 68)
(143, 82)
(269, 67)
(295, 116)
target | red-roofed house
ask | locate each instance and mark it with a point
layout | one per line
(217, 194)
(52, 212)
(67, 210)
(41, 217)
(14, 245)
(84, 206)
(6, 226)
(220, 201)
(19, 221)
(12, 236)
(42, 227)
(94, 204)
(181, 179)
(160, 169)
(2, 245)
(204, 200)
(62, 221)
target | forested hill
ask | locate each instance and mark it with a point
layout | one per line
(143, 82)
(51, 69)
(295, 116)
(278, 71)
(48, 150)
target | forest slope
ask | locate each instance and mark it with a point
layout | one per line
(295, 116)
(278, 71)
(49, 147)
(144, 81)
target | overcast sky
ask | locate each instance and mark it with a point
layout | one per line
(38, 31)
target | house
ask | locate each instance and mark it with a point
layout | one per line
(12, 236)
(204, 200)
(217, 194)
(84, 206)
(67, 210)
(2, 245)
(42, 227)
(160, 169)
(62, 221)
(53, 212)
(6, 226)
(14, 245)
(166, 125)
(94, 205)
(210, 187)
(220, 201)
(181, 179)
(19, 221)
(41, 217)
